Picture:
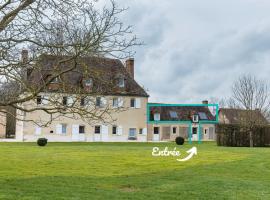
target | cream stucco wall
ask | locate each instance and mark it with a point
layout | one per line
(126, 118)
(205, 135)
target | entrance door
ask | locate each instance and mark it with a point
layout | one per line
(156, 134)
(194, 133)
(75, 132)
(104, 133)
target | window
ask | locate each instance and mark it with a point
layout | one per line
(82, 101)
(132, 132)
(55, 80)
(81, 129)
(140, 131)
(173, 114)
(206, 130)
(132, 103)
(121, 82)
(39, 100)
(156, 117)
(98, 101)
(114, 130)
(88, 82)
(195, 118)
(174, 130)
(202, 115)
(115, 102)
(64, 128)
(156, 130)
(64, 101)
(97, 129)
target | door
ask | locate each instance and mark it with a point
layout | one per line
(75, 132)
(194, 134)
(156, 134)
(104, 133)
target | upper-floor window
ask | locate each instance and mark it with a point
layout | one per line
(39, 100)
(156, 117)
(132, 103)
(115, 102)
(82, 103)
(98, 101)
(64, 101)
(121, 82)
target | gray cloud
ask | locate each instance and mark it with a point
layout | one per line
(195, 49)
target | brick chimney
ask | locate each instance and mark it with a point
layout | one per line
(130, 66)
(205, 102)
(24, 56)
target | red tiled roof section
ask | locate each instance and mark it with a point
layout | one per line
(103, 71)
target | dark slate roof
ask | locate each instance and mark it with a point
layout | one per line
(234, 115)
(184, 113)
(103, 71)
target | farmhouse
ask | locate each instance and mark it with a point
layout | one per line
(193, 122)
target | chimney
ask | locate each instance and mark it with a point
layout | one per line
(205, 102)
(130, 66)
(24, 56)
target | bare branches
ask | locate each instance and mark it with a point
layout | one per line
(70, 30)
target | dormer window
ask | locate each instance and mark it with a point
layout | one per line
(195, 118)
(88, 82)
(156, 117)
(121, 82)
(56, 80)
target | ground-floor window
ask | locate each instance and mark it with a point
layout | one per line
(156, 130)
(132, 133)
(97, 129)
(194, 130)
(64, 128)
(174, 130)
(114, 130)
(81, 129)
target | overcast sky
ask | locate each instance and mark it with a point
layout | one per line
(196, 48)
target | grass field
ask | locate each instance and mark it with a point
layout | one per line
(129, 171)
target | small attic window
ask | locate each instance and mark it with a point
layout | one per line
(88, 82)
(173, 114)
(156, 116)
(56, 80)
(195, 118)
(121, 82)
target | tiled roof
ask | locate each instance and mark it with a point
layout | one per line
(103, 71)
(181, 113)
(234, 115)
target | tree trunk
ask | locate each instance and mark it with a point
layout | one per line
(250, 139)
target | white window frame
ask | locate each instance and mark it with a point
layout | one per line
(121, 82)
(195, 118)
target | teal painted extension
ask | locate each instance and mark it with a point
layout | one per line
(195, 122)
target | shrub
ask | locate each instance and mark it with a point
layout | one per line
(179, 140)
(42, 141)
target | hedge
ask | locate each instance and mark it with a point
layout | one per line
(235, 136)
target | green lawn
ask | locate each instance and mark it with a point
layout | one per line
(128, 171)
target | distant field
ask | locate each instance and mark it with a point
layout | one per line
(128, 171)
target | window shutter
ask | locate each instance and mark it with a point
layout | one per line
(45, 100)
(70, 101)
(103, 101)
(138, 103)
(120, 102)
(59, 129)
(119, 130)
(75, 129)
(104, 129)
(38, 130)
(144, 131)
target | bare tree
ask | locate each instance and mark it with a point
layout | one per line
(69, 30)
(252, 97)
